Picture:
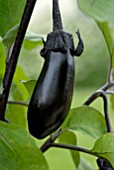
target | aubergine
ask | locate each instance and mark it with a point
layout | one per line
(104, 164)
(52, 95)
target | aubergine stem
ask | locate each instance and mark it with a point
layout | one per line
(57, 22)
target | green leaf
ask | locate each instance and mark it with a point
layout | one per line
(32, 40)
(98, 10)
(69, 137)
(30, 44)
(87, 120)
(108, 34)
(16, 93)
(112, 101)
(17, 115)
(18, 150)
(18, 90)
(10, 36)
(104, 147)
(10, 14)
(103, 14)
(84, 165)
(30, 86)
(2, 58)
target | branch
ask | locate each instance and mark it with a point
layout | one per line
(50, 140)
(107, 86)
(50, 143)
(18, 103)
(110, 92)
(101, 161)
(72, 147)
(101, 93)
(12, 60)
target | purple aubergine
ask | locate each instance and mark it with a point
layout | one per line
(52, 96)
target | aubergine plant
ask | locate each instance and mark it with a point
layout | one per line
(49, 115)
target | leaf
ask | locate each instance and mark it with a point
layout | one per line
(19, 75)
(10, 36)
(103, 14)
(104, 147)
(32, 40)
(10, 14)
(17, 115)
(98, 10)
(69, 137)
(108, 34)
(29, 86)
(18, 150)
(87, 120)
(84, 165)
(2, 58)
(30, 44)
(112, 101)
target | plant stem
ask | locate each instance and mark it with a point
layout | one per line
(50, 143)
(50, 140)
(72, 147)
(107, 86)
(12, 62)
(101, 93)
(110, 92)
(18, 103)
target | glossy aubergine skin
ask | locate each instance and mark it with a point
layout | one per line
(51, 99)
(104, 164)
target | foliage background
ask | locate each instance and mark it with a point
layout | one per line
(91, 67)
(95, 56)
(91, 70)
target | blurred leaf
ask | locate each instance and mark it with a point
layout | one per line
(69, 137)
(87, 120)
(0, 84)
(32, 40)
(104, 147)
(18, 150)
(112, 101)
(2, 63)
(30, 86)
(20, 75)
(16, 93)
(10, 14)
(17, 115)
(2, 58)
(29, 44)
(10, 36)
(84, 165)
(98, 10)
(108, 34)
(103, 14)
